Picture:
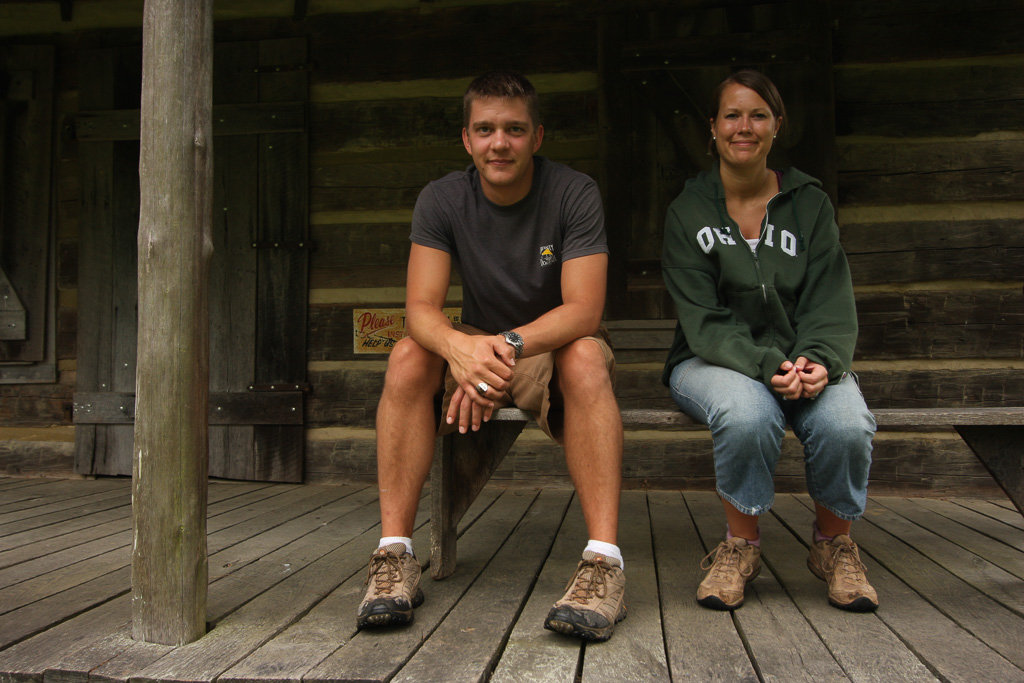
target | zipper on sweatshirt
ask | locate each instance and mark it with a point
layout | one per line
(757, 261)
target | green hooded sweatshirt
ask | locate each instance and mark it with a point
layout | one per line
(751, 311)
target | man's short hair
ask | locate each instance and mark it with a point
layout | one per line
(502, 84)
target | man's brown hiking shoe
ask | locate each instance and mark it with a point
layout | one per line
(393, 588)
(729, 567)
(593, 602)
(838, 563)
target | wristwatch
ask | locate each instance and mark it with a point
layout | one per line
(515, 340)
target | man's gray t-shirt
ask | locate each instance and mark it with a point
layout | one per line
(510, 257)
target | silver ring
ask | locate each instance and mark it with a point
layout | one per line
(482, 387)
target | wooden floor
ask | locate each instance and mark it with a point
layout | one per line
(287, 565)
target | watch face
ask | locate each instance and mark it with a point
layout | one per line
(516, 340)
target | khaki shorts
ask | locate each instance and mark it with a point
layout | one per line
(531, 388)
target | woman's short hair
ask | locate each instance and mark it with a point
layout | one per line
(505, 85)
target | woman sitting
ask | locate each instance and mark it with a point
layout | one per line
(766, 332)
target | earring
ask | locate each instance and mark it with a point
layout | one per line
(714, 137)
(774, 137)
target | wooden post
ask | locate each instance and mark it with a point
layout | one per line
(169, 560)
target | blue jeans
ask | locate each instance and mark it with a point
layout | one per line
(748, 420)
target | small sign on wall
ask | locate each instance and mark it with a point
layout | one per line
(376, 330)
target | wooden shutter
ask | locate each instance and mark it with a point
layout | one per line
(27, 279)
(258, 274)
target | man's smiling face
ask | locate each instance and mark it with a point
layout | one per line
(502, 139)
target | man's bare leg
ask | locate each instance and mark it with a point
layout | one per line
(405, 433)
(592, 436)
(405, 447)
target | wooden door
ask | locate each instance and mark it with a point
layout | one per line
(258, 276)
(659, 67)
(27, 278)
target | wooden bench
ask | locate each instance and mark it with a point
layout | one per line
(464, 462)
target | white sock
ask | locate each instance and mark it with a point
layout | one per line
(606, 549)
(388, 540)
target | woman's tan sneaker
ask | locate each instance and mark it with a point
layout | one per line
(729, 567)
(838, 563)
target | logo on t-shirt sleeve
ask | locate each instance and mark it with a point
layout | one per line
(547, 255)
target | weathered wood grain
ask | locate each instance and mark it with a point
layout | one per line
(27, 161)
(958, 535)
(26, 661)
(890, 33)
(362, 244)
(237, 543)
(118, 659)
(248, 606)
(978, 323)
(20, 520)
(74, 522)
(233, 265)
(432, 121)
(26, 499)
(533, 653)
(863, 645)
(115, 652)
(940, 100)
(111, 78)
(466, 645)
(363, 281)
(1000, 628)
(282, 264)
(994, 511)
(295, 623)
(46, 570)
(636, 652)
(48, 545)
(34, 617)
(887, 174)
(534, 38)
(262, 500)
(362, 657)
(228, 119)
(780, 639)
(701, 644)
(908, 607)
(331, 624)
(986, 526)
(171, 445)
(986, 251)
(224, 408)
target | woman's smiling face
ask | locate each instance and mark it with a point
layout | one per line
(744, 128)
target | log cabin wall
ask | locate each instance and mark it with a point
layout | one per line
(931, 183)
(926, 102)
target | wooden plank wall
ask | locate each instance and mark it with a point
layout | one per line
(930, 205)
(931, 184)
(930, 208)
(36, 430)
(26, 272)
